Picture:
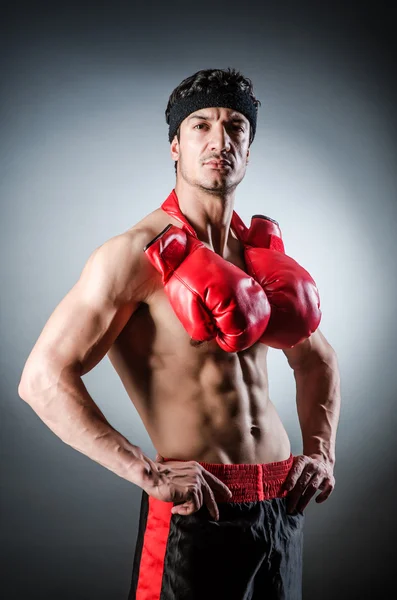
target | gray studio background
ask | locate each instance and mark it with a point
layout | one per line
(85, 155)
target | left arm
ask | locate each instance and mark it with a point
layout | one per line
(316, 373)
(318, 400)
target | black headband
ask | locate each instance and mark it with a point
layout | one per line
(238, 100)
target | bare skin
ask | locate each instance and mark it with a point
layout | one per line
(198, 403)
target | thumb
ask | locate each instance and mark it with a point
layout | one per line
(159, 458)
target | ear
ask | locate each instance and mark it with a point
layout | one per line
(174, 149)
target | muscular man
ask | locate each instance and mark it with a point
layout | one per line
(185, 305)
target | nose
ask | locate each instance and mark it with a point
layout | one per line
(220, 139)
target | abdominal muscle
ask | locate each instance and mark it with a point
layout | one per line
(219, 429)
(197, 402)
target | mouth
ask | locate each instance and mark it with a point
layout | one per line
(218, 164)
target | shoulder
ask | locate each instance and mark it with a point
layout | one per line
(129, 244)
(119, 265)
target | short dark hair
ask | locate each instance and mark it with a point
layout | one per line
(230, 79)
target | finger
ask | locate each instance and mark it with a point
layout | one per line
(296, 494)
(308, 494)
(190, 494)
(216, 484)
(188, 506)
(292, 501)
(298, 479)
(209, 501)
(327, 491)
(182, 509)
(293, 474)
(159, 458)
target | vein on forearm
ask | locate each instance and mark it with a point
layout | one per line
(63, 403)
(318, 405)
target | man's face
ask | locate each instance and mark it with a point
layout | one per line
(212, 134)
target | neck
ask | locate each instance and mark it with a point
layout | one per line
(209, 213)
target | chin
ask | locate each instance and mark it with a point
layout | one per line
(215, 186)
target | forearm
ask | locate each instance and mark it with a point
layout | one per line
(65, 406)
(318, 404)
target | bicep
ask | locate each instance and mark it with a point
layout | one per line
(79, 332)
(89, 318)
(315, 348)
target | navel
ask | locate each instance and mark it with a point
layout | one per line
(255, 431)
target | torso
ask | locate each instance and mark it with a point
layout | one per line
(196, 402)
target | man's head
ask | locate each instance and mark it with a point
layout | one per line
(212, 116)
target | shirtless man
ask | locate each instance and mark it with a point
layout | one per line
(222, 503)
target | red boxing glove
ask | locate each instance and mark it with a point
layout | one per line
(211, 297)
(290, 289)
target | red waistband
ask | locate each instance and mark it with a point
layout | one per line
(251, 482)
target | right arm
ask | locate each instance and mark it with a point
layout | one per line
(76, 337)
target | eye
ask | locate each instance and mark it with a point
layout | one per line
(236, 127)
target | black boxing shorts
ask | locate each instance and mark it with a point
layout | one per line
(254, 551)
